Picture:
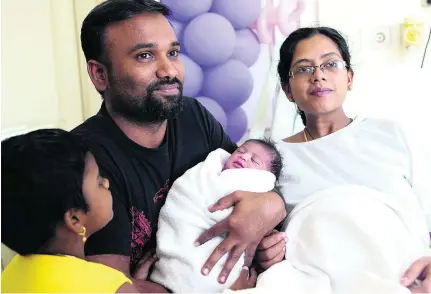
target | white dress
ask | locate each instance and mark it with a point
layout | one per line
(362, 206)
(373, 153)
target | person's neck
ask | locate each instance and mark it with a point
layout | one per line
(146, 135)
(323, 125)
(65, 246)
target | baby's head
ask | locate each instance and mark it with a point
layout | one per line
(257, 154)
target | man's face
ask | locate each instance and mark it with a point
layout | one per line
(145, 74)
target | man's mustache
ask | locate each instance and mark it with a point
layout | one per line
(165, 81)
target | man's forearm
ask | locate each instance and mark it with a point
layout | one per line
(287, 208)
(278, 208)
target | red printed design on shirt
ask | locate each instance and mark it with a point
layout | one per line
(161, 194)
(141, 233)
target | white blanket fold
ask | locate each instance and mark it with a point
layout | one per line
(348, 239)
(185, 216)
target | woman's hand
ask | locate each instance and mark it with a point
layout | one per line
(245, 281)
(271, 249)
(254, 215)
(419, 270)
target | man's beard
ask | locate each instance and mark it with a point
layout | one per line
(148, 109)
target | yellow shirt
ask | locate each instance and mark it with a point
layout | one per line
(54, 273)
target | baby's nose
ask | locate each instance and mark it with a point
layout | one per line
(246, 156)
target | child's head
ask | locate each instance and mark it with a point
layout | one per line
(257, 154)
(51, 192)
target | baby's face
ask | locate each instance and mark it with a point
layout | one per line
(250, 155)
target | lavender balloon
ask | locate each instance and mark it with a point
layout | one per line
(215, 109)
(178, 28)
(230, 84)
(237, 124)
(247, 47)
(209, 39)
(193, 78)
(241, 13)
(185, 10)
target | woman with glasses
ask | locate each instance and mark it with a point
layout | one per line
(337, 155)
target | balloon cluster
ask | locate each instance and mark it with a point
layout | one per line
(218, 48)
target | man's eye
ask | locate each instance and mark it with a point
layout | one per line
(144, 55)
(174, 53)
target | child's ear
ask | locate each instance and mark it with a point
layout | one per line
(74, 220)
(286, 90)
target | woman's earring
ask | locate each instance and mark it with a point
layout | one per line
(82, 234)
(349, 87)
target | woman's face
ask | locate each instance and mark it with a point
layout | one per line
(97, 194)
(319, 92)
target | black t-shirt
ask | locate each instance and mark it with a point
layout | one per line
(140, 177)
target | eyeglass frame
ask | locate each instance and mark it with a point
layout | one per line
(321, 66)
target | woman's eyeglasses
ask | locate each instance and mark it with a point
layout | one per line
(307, 71)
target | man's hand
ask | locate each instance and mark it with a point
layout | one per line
(271, 249)
(245, 280)
(254, 215)
(419, 270)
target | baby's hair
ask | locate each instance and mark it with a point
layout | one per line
(277, 160)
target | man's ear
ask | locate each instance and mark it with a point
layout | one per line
(98, 74)
(74, 220)
(286, 90)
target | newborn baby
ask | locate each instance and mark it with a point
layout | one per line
(255, 166)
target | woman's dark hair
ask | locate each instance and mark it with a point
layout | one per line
(288, 49)
(107, 13)
(277, 159)
(41, 179)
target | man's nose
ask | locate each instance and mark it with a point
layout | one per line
(166, 69)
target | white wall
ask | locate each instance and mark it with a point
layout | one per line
(43, 74)
(388, 80)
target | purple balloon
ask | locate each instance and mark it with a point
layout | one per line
(230, 84)
(247, 47)
(215, 109)
(193, 76)
(185, 10)
(209, 39)
(178, 28)
(237, 124)
(241, 13)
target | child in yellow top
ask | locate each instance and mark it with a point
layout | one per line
(53, 199)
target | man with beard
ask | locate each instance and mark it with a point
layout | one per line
(147, 134)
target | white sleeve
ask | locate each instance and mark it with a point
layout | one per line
(420, 161)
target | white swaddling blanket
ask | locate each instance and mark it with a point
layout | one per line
(185, 216)
(348, 239)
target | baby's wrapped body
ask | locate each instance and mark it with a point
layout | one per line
(185, 216)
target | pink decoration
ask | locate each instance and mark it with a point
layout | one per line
(285, 17)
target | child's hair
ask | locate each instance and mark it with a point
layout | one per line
(277, 160)
(41, 179)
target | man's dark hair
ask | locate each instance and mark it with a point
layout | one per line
(41, 179)
(288, 47)
(107, 13)
(277, 160)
